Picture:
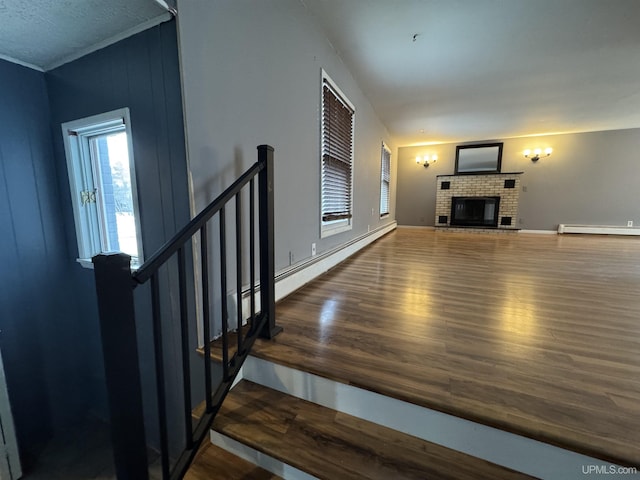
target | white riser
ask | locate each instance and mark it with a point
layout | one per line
(502, 448)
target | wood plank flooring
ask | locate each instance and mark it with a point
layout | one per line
(535, 334)
(332, 445)
(214, 463)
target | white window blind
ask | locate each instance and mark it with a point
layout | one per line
(385, 179)
(337, 155)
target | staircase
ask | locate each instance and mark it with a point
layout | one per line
(302, 440)
(299, 424)
(151, 318)
(268, 420)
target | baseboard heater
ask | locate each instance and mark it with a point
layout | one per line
(599, 229)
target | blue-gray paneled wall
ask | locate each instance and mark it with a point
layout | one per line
(42, 329)
(141, 73)
(49, 333)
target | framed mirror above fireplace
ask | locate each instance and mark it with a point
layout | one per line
(478, 159)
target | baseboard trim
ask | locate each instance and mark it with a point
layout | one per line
(599, 229)
(292, 278)
(296, 276)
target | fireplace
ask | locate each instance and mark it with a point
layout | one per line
(475, 211)
(485, 202)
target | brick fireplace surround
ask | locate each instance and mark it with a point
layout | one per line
(503, 185)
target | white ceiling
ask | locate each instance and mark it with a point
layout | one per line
(490, 69)
(46, 33)
(477, 70)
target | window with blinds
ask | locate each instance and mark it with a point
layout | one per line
(385, 179)
(337, 156)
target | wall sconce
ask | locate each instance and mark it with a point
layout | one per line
(535, 154)
(426, 160)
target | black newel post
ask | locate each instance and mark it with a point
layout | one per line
(117, 325)
(267, 261)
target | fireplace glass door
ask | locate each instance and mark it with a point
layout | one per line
(475, 211)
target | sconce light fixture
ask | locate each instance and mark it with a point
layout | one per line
(426, 160)
(535, 155)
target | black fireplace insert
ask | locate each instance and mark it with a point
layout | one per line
(475, 211)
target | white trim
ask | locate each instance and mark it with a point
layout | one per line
(517, 452)
(539, 232)
(296, 276)
(337, 89)
(85, 262)
(172, 10)
(152, 22)
(291, 279)
(327, 229)
(88, 263)
(21, 63)
(599, 229)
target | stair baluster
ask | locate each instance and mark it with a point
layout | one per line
(115, 284)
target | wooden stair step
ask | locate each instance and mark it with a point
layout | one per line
(332, 445)
(214, 463)
(216, 345)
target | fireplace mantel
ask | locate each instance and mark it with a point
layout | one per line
(480, 174)
(503, 185)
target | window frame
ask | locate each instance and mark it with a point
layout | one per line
(77, 135)
(385, 149)
(333, 227)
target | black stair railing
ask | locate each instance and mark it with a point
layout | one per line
(115, 284)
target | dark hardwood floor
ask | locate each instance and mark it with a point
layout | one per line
(331, 445)
(535, 334)
(214, 463)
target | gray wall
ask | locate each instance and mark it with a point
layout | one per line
(590, 178)
(252, 75)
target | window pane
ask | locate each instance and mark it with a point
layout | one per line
(118, 215)
(103, 185)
